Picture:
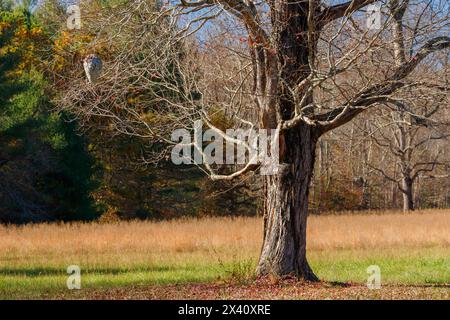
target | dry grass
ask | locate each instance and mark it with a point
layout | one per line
(411, 249)
(223, 236)
(382, 230)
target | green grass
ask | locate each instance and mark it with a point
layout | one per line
(398, 266)
(31, 282)
(28, 284)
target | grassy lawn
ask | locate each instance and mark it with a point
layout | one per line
(34, 259)
(427, 266)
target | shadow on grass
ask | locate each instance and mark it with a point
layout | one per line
(52, 271)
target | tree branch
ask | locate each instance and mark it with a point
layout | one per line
(338, 11)
(379, 92)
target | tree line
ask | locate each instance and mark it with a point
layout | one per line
(70, 150)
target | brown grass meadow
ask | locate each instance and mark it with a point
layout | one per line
(411, 249)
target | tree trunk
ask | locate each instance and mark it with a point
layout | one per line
(407, 191)
(286, 193)
(286, 209)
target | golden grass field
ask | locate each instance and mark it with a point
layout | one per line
(202, 250)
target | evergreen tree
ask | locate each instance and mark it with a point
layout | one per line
(45, 170)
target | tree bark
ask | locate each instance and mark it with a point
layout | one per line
(286, 193)
(286, 210)
(407, 191)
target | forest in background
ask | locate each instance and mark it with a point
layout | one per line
(52, 167)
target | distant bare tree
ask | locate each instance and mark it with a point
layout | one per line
(414, 137)
(416, 120)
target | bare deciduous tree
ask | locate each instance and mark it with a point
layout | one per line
(413, 130)
(304, 67)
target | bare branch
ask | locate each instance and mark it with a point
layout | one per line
(378, 92)
(344, 9)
